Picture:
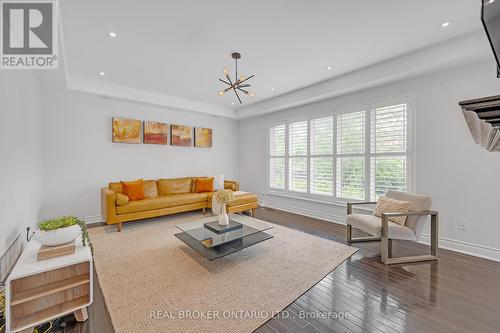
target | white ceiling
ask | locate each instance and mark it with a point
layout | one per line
(178, 48)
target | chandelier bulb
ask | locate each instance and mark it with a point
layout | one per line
(226, 72)
(221, 93)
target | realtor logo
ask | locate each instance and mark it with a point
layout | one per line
(29, 35)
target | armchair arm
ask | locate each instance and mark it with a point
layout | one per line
(432, 213)
(232, 185)
(397, 214)
(108, 206)
(350, 204)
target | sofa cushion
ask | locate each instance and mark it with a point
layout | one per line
(186, 199)
(240, 199)
(174, 186)
(121, 199)
(161, 202)
(134, 190)
(150, 189)
(143, 205)
(202, 185)
(115, 187)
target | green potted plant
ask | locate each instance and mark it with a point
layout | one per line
(62, 230)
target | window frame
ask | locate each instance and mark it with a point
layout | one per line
(369, 108)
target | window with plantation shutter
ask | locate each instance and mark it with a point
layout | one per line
(297, 150)
(388, 149)
(350, 162)
(321, 157)
(277, 146)
(342, 156)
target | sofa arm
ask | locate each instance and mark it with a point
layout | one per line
(232, 185)
(108, 206)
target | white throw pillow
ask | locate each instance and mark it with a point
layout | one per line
(218, 181)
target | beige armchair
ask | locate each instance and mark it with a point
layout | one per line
(381, 229)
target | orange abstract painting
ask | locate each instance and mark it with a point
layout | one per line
(203, 137)
(126, 130)
(155, 133)
(181, 135)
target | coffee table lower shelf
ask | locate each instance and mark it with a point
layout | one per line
(225, 249)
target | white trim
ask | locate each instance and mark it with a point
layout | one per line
(93, 219)
(471, 249)
(324, 202)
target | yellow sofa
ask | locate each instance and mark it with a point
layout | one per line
(167, 196)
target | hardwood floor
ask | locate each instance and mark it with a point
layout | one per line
(460, 293)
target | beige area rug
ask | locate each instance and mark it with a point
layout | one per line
(153, 282)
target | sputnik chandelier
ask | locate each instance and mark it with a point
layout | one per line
(238, 83)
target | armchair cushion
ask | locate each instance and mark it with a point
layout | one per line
(388, 205)
(373, 226)
(418, 203)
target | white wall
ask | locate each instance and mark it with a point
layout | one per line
(20, 153)
(462, 178)
(80, 158)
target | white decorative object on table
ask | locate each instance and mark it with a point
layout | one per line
(223, 197)
(58, 236)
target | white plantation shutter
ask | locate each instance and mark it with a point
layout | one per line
(297, 138)
(388, 164)
(351, 133)
(350, 162)
(297, 162)
(277, 146)
(277, 142)
(355, 155)
(321, 161)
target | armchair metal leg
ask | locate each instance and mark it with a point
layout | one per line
(387, 247)
(350, 239)
(349, 234)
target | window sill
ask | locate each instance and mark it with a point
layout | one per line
(324, 202)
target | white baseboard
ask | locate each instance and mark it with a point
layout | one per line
(93, 219)
(444, 243)
(475, 250)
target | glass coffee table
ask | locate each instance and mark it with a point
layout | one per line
(213, 241)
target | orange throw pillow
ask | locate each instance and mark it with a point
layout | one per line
(204, 185)
(134, 190)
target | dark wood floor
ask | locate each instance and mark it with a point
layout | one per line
(458, 294)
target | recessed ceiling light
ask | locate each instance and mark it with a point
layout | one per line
(329, 67)
(232, 103)
(445, 24)
(112, 34)
(102, 73)
(272, 89)
(491, 1)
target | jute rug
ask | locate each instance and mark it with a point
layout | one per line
(153, 282)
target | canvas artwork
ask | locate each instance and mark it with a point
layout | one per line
(155, 133)
(203, 137)
(181, 135)
(126, 130)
